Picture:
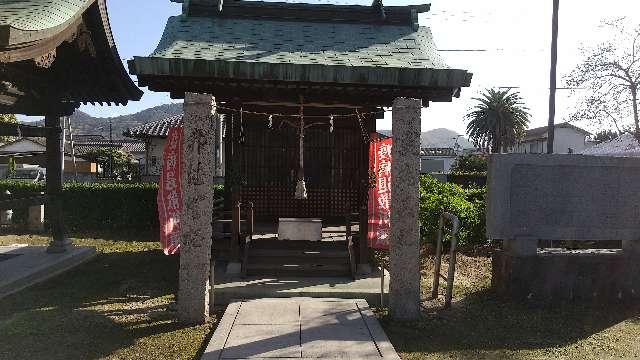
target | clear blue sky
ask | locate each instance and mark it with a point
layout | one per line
(514, 33)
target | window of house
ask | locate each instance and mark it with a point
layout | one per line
(154, 161)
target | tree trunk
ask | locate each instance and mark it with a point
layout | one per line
(634, 98)
(497, 141)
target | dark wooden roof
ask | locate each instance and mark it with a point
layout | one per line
(279, 51)
(57, 54)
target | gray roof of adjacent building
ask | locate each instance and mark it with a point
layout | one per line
(159, 128)
(541, 133)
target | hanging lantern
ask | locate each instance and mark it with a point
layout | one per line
(270, 122)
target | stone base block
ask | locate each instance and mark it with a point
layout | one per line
(561, 275)
(60, 246)
(299, 229)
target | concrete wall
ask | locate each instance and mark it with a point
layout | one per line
(563, 197)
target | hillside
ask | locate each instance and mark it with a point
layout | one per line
(442, 138)
(83, 123)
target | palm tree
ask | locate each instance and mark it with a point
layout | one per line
(498, 121)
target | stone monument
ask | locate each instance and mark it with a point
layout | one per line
(536, 199)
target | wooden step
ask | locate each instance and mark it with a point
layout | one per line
(226, 221)
(298, 245)
(298, 260)
(298, 269)
(305, 253)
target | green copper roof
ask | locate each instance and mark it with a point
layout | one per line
(25, 20)
(299, 51)
(237, 40)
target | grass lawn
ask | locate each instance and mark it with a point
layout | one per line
(480, 326)
(113, 307)
(117, 307)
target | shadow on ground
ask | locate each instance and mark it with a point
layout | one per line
(116, 305)
(480, 322)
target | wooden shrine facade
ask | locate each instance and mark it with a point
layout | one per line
(54, 56)
(335, 161)
(267, 62)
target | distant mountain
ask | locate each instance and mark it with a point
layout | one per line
(439, 138)
(83, 123)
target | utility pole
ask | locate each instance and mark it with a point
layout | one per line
(552, 77)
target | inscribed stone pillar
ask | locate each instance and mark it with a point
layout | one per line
(197, 178)
(404, 295)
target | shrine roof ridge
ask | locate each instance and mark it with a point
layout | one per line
(302, 12)
(32, 20)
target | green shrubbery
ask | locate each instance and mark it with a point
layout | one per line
(132, 207)
(467, 204)
(98, 206)
(95, 207)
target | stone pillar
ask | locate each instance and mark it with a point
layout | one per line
(197, 178)
(404, 295)
(54, 209)
(35, 220)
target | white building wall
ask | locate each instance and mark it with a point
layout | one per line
(155, 148)
(566, 141)
(428, 162)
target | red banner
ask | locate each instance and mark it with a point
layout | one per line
(170, 192)
(380, 195)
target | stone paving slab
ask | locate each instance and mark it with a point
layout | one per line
(33, 265)
(367, 287)
(299, 328)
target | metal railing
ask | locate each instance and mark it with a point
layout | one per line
(454, 223)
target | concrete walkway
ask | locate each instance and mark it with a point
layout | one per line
(22, 266)
(300, 328)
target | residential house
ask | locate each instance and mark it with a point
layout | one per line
(154, 136)
(29, 152)
(568, 139)
(85, 144)
(437, 160)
